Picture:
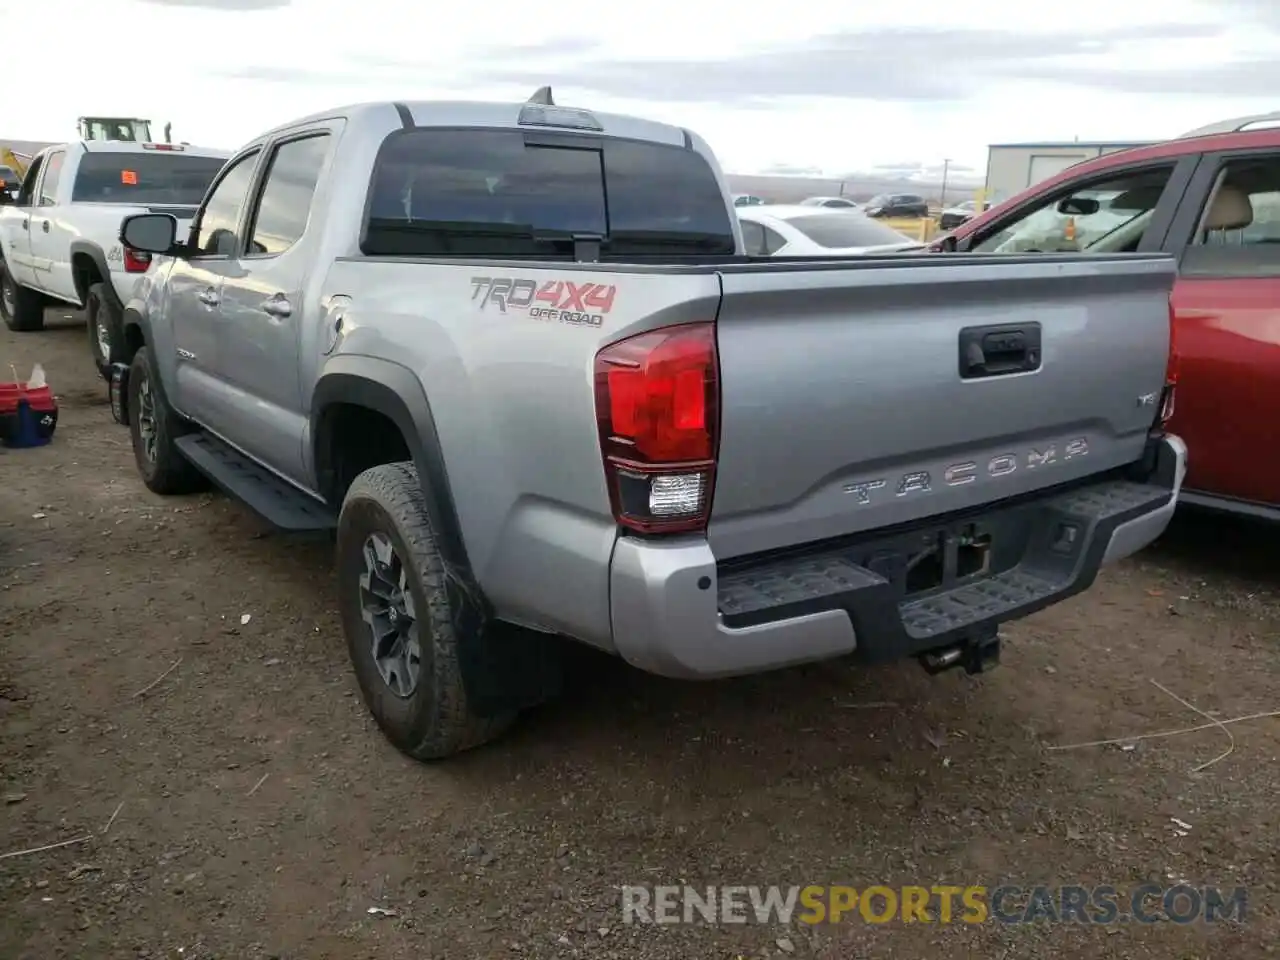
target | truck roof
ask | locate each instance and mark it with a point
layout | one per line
(126, 146)
(473, 113)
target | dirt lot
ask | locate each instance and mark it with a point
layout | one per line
(258, 813)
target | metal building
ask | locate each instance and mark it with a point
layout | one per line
(1012, 167)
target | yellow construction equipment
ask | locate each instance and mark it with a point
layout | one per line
(17, 162)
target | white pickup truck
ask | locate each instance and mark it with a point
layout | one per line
(60, 238)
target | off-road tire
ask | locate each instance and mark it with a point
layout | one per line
(99, 312)
(27, 312)
(435, 721)
(167, 471)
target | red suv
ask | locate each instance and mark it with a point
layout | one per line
(1211, 198)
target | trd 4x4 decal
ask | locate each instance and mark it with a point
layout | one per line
(562, 301)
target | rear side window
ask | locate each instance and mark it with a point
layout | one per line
(488, 193)
(1239, 230)
(285, 204)
(144, 178)
(52, 174)
(835, 230)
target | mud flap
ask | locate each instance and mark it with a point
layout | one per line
(120, 393)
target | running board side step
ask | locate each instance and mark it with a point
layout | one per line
(277, 502)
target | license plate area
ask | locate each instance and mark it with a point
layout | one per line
(940, 558)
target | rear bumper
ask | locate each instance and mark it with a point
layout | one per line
(678, 613)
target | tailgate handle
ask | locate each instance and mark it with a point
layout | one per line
(1000, 350)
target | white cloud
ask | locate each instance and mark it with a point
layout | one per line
(953, 79)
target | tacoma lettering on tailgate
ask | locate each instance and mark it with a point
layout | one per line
(563, 301)
(967, 471)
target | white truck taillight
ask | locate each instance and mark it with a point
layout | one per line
(135, 261)
(657, 406)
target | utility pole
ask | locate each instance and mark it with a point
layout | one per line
(946, 166)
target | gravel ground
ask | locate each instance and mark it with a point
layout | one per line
(245, 806)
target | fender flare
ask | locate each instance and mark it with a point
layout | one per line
(94, 252)
(131, 316)
(395, 392)
(504, 667)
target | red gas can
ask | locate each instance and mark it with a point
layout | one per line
(28, 416)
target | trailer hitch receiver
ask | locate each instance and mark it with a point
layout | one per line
(977, 653)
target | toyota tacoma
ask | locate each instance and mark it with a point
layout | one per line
(514, 357)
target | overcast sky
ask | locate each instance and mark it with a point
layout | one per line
(805, 85)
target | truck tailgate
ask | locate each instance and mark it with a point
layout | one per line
(855, 397)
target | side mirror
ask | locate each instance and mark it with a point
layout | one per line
(1079, 206)
(150, 233)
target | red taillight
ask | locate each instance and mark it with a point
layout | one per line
(657, 406)
(135, 261)
(1171, 369)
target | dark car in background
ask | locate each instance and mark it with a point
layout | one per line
(952, 217)
(896, 205)
(9, 182)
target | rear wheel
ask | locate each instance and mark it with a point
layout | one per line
(22, 309)
(154, 428)
(400, 616)
(106, 330)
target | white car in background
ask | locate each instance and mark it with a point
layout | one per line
(800, 231)
(838, 202)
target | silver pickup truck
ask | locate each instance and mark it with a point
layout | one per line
(513, 357)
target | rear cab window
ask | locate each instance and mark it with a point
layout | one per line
(505, 193)
(163, 177)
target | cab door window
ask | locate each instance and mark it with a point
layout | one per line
(1104, 216)
(216, 233)
(27, 192)
(1238, 233)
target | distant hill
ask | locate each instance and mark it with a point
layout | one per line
(856, 186)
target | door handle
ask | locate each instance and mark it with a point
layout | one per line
(208, 297)
(278, 306)
(999, 350)
(45, 226)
